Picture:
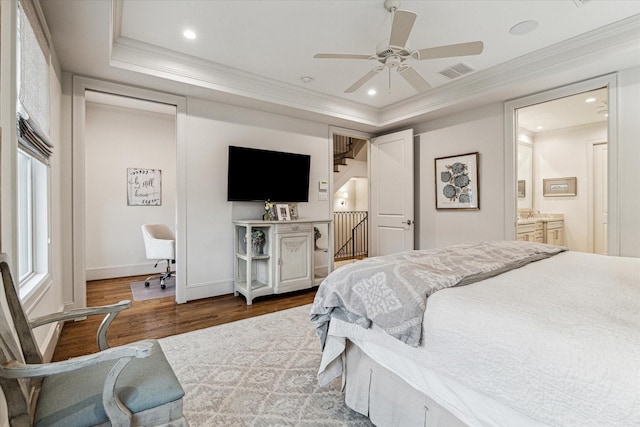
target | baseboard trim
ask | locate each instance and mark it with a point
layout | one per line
(112, 272)
(209, 289)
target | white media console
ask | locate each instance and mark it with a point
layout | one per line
(287, 260)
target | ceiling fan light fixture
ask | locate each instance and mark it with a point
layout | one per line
(393, 61)
(394, 53)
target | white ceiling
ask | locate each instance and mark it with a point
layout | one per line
(571, 111)
(256, 52)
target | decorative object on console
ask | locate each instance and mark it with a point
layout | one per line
(283, 212)
(316, 236)
(559, 187)
(257, 241)
(457, 182)
(269, 211)
(293, 210)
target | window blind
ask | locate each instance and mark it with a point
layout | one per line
(32, 141)
(33, 71)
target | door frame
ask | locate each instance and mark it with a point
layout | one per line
(335, 130)
(610, 81)
(590, 192)
(78, 295)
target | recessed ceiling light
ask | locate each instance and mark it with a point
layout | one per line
(306, 79)
(372, 92)
(540, 127)
(590, 100)
(523, 27)
(189, 34)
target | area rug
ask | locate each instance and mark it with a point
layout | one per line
(259, 371)
(141, 292)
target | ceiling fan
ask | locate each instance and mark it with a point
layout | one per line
(395, 54)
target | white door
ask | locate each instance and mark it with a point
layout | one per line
(600, 199)
(391, 195)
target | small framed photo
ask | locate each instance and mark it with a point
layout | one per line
(457, 182)
(293, 210)
(283, 212)
(556, 187)
(521, 188)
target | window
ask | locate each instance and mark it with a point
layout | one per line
(34, 150)
(33, 223)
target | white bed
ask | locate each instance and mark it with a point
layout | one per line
(555, 342)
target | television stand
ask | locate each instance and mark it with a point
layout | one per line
(285, 261)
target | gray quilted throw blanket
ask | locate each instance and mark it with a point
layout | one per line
(391, 291)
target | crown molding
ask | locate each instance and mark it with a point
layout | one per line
(577, 53)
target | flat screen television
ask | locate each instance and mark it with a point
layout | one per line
(259, 175)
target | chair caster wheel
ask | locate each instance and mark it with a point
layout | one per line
(163, 286)
(146, 284)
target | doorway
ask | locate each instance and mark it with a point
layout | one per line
(565, 152)
(76, 297)
(554, 141)
(350, 185)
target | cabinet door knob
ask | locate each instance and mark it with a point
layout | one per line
(408, 222)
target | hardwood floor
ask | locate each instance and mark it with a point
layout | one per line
(161, 317)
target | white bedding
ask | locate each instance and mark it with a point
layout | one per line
(556, 342)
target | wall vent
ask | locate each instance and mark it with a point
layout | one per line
(457, 70)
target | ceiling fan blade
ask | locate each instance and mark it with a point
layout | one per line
(401, 27)
(414, 79)
(462, 49)
(340, 56)
(363, 80)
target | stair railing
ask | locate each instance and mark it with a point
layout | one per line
(351, 234)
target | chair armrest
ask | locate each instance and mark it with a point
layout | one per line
(111, 312)
(15, 369)
(117, 412)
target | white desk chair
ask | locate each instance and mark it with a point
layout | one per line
(159, 243)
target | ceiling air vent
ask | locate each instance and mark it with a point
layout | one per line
(457, 70)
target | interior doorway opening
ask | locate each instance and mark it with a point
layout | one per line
(350, 198)
(561, 171)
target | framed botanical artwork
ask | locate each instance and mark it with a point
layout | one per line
(457, 182)
(283, 212)
(559, 186)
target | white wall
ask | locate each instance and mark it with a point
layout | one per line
(628, 160)
(525, 168)
(481, 130)
(563, 153)
(211, 128)
(117, 138)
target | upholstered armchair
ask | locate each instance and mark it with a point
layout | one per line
(128, 385)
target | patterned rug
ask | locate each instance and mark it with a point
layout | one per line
(257, 372)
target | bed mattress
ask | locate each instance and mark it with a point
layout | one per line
(556, 342)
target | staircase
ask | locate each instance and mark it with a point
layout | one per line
(344, 148)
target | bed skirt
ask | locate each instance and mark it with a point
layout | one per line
(387, 400)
